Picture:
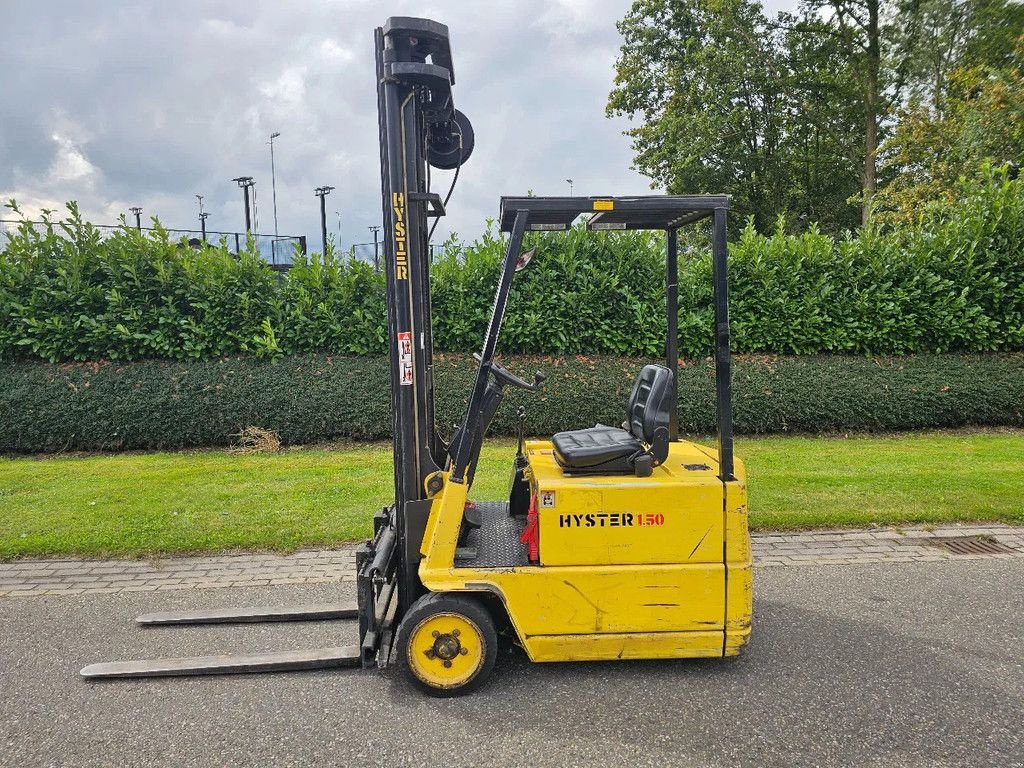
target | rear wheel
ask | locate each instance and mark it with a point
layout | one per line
(447, 644)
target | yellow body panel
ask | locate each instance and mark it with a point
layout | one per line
(659, 569)
(595, 599)
(660, 645)
(739, 569)
(673, 516)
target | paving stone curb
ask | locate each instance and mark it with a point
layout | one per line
(35, 578)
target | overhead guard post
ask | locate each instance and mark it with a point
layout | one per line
(672, 335)
(723, 364)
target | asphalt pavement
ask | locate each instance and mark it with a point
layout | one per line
(916, 664)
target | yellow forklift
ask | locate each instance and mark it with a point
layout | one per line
(616, 542)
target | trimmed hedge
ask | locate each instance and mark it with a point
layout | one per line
(306, 398)
(952, 282)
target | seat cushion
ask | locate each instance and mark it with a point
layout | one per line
(607, 449)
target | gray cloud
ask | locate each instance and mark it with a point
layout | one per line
(148, 104)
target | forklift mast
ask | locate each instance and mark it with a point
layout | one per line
(419, 128)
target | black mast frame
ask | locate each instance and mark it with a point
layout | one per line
(414, 97)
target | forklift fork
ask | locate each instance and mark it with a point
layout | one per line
(281, 661)
(376, 571)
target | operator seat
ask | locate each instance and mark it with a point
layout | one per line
(637, 448)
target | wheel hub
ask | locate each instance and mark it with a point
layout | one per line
(446, 647)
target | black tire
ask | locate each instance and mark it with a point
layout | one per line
(437, 605)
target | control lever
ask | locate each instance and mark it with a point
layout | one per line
(521, 415)
(519, 495)
(538, 379)
(502, 374)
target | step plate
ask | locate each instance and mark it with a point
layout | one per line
(251, 615)
(281, 661)
(496, 543)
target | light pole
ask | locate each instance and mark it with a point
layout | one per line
(273, 179)
(376, 253)
(569, 182)
(322, 193)
(202, 217)
(138, 217)
(245, 182)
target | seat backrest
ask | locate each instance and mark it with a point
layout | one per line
(648, 409)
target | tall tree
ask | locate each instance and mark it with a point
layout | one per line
(792, 115)
(928, 46)
(826, 111)
(726, 99)
(856, 27)
(978, 120)
(936, 37)
(995, 30)
(704, 77)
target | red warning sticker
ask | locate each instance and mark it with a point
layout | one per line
(405, 357)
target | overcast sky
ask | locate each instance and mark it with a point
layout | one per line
(149, 103)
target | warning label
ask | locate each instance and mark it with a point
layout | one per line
(547, 499)
(405, 357)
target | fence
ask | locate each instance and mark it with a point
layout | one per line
(277, 251)
(373, 253)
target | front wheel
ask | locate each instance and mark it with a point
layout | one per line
(447, 644)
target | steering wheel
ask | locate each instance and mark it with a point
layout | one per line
(504, 376)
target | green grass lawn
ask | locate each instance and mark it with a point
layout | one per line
(139, 504)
